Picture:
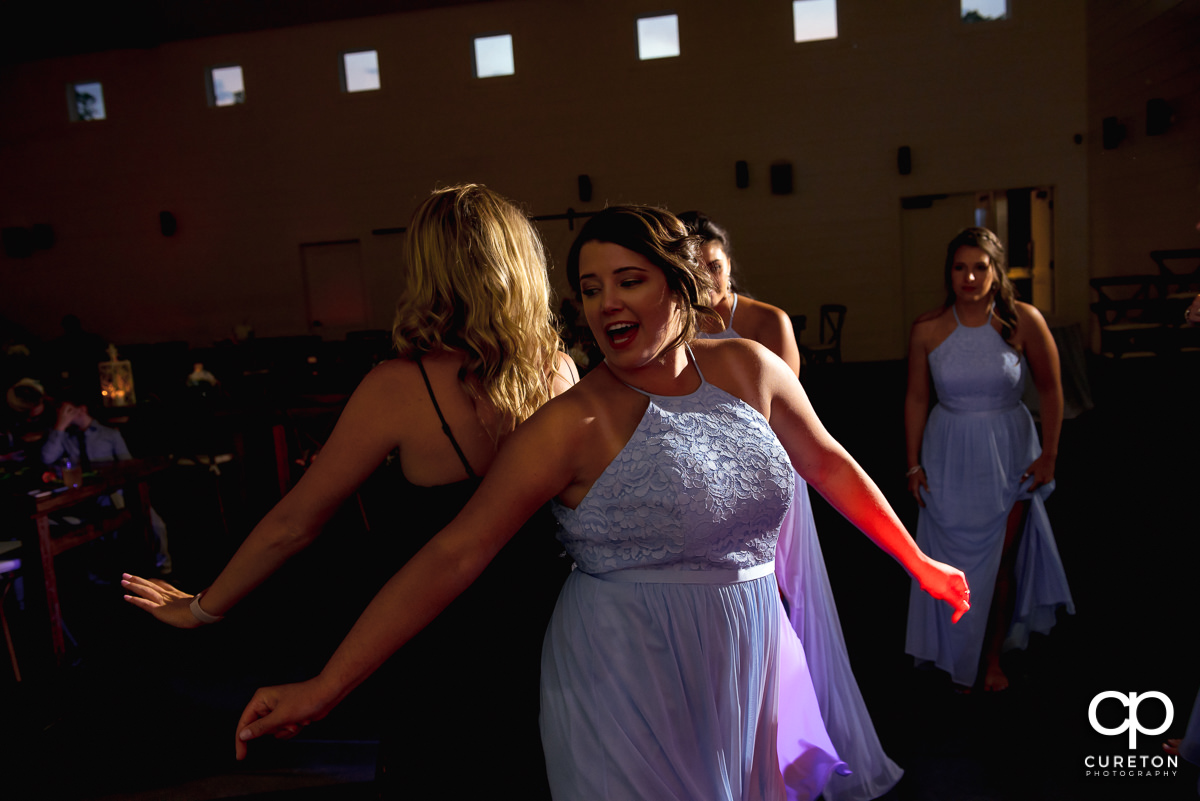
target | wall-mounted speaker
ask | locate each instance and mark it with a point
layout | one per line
(167, 223)
(781, 178)
(1158, 116)
(585, 189)
(741, 174)
(1112, 132)
(19, 242)
(42, 235)
(904, 160)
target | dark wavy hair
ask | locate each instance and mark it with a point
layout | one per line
(1004, 295)
(663, 240)
(708, 230)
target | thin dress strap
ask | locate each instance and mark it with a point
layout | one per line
(445, 426)
(991, 311)
(694, 363)
(732, 310)
(692, 356)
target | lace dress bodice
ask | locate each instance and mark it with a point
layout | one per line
(975, 370)
(702, 484)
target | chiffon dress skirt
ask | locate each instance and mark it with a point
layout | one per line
(978, 441)
(662, 665)
(800, 570)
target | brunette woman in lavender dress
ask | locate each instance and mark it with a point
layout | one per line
(671, 464)
(976, 468)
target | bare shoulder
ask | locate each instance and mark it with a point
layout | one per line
(1029, 314)
(393, 382)
(569, 411)
(726, 353)
(1032, 334)
(743, 368)
(940, 313)
(762, 313)
(757, 320)
(565, 376)
(931, 327)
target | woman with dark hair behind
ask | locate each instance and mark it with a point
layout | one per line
(975, 466)
(765, 324)
(671, 463)
(799, 563)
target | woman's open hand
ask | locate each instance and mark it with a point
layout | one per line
(917, 482)
(947, 584)
(282, 711)
(1041, 472)
(164, 601)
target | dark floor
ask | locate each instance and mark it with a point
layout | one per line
(148, 713)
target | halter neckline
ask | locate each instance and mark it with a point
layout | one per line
(692, 361)
(986, 324)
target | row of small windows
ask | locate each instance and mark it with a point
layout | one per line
(658, 37)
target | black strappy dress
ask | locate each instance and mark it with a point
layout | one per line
(461, 718)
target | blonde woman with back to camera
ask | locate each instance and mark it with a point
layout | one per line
(477, 354)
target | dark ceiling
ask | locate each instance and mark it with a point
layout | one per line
(37, 29)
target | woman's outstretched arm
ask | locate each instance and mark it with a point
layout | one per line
(533, 466)
(826, 465)
(364, 434)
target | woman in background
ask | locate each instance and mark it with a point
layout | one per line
(799, 563)
(975, 465)
(478, 353)
(672, 466)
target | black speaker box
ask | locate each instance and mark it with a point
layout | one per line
(781, 178)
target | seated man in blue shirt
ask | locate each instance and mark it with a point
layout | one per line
(79, 438)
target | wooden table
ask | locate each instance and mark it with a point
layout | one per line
(132, 476)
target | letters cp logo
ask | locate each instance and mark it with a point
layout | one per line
(1131, 723)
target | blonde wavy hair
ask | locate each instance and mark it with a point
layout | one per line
(476, 282)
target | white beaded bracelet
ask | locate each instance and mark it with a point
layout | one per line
(200, 614)
(912, 471)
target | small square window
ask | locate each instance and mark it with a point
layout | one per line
(494, 56)
(225, 86)
(813, 20)
(360, 71)
(984, 10)
(658, 37)
(86, 101)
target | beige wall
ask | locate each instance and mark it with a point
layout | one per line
(982, 107)
(1145, 192)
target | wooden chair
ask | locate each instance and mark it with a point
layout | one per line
(10, 568)
(1178, 279)
(1130, 311)
(829, 347)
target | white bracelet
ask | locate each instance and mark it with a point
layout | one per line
(912, 471)
(200, 614)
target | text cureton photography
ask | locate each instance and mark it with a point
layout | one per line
(1122, 708)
